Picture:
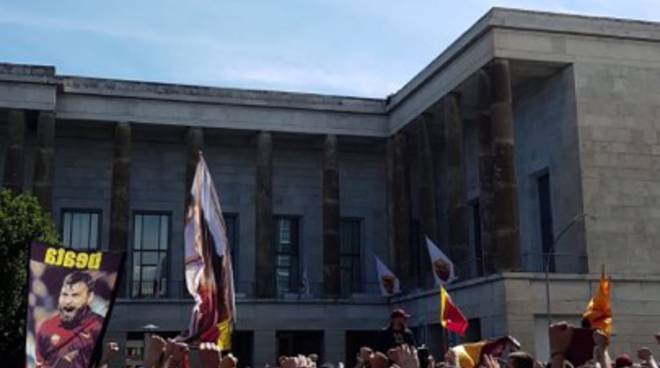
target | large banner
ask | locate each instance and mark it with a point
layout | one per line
(71, 293)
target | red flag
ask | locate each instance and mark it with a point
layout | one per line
(451, 317)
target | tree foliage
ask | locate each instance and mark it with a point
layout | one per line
(22, 221)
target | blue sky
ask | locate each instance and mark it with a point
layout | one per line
(364, 48)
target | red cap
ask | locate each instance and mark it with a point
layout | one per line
(623, 360)
(399, 313)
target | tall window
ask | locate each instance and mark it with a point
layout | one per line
(545, 217)
(349, 255)
(287, 254)
(475, 239)
(81, 229)
(151, 236)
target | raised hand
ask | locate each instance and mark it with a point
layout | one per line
(364, 355)
(209, 355)
(378, 360)
(110, 350)
(560, 335)
(601, 339)
(175, 353)
(644, 354)
(228, 361)
(404, 356)
(490, 362)
(153, 352)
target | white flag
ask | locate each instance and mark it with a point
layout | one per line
(388, 282)
(443, 267)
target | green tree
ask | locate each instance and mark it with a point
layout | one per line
(22, 221)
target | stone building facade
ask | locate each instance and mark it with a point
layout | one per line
(531, 143)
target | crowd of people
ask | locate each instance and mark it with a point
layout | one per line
(570, 347)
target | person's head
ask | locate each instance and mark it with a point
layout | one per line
(399, 318)
(75, 296)
(520, 359)
(622, 361)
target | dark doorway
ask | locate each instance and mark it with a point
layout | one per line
(357, 339)
(291, 343)
(242, 346)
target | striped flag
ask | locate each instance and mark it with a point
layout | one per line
(209, 276)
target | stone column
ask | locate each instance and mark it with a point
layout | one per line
(334, 348)
(120, 201)
(194, 144)
(505, 190)
(426, 191)
(15, 160)
(456, 197)
(486, 200)
(331, 277)
(265, 285)
(265, 348)
(401, 209)
(390, 201)
(44, 160)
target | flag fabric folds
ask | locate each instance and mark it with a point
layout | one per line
(208, 268)
(470, 355)
(451, 317)
(442, 266)
(388, 282)
(599, 310)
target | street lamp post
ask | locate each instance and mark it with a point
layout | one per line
(546, 261)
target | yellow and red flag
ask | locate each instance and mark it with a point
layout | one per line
(451, 317)
(209, 276)
(471, 355)
(599, 310)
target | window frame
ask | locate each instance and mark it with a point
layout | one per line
(132, 251)
(547, 249)
(294, 280)
(88, 211)
(356, 256)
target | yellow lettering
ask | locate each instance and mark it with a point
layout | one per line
(60, 257)
(69, 259)
(50, 256)
(95, 261)
(81, 260)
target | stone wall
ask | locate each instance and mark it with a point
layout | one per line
(362, 195)
(634, 301)
(618, 106)
(83, 172)
(546, 142)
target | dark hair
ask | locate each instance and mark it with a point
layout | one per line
(521, 359)
(78, 276)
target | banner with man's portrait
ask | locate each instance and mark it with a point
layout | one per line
(70, 297)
